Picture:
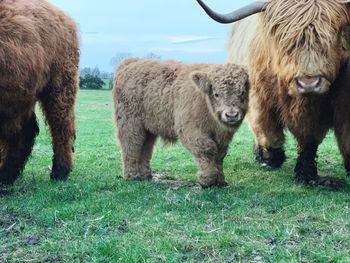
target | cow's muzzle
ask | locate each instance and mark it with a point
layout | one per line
(312, 85)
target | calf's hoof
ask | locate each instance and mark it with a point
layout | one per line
(212, 181)
(59, 174)
(218, 184)
(138, 177)
(270, 158)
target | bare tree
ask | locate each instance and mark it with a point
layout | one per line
(85, 71)
(152, 56)
(119, 57)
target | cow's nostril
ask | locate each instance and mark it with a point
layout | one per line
(309, 82)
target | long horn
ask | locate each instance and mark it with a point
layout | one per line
(234, 16)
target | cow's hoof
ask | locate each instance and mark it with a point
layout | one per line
(270, 158)
(306, 171)
(331, 182)
(6, 180)
(324, 181)
(222, 184)
(8, 176)
(307, 181)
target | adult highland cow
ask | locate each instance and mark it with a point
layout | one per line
(299, 76)
(39, 58)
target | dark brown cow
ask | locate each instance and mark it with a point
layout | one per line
(299, 76)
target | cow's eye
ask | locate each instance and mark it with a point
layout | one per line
(216, 95)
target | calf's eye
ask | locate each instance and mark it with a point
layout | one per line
(216, 95)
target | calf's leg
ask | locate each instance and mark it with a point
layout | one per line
(222, 151)
(146, 156)
(205, 151)
(133, 141)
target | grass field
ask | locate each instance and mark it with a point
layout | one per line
(96, 216)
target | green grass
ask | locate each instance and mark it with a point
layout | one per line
(96, 216)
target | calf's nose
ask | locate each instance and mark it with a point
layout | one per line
(233, 116)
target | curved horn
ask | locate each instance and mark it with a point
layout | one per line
(234, 16)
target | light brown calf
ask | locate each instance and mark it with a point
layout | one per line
(202, 105)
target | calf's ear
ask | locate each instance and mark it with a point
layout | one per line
(202, 81)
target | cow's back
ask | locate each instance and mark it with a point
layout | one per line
(36, 39)
(241, 37)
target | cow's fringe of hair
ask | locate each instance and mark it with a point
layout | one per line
(299, 23)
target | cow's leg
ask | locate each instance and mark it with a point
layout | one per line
(146, 155)
(132, 138)
(3, 152)
(342, 133)
(342, 125)
(57, 101)
(306, 166)
(19, 147)
(205, 151)
(268, 131)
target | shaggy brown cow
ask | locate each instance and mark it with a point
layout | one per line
(202, 105)
(298, 72)
(38, 62)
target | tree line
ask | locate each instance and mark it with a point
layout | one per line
(94, 78)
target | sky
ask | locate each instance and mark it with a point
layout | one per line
(177, 29)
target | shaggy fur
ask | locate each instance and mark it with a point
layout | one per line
(202, 105)
(294, 39)
(39, 57)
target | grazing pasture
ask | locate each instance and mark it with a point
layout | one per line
(96, 216)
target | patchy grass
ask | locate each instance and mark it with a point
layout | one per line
(96, 216)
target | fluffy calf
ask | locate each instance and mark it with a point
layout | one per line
(38, 62)
(202, 105)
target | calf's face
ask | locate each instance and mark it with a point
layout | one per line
(226, 90)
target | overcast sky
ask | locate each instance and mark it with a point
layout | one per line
(177, 29)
